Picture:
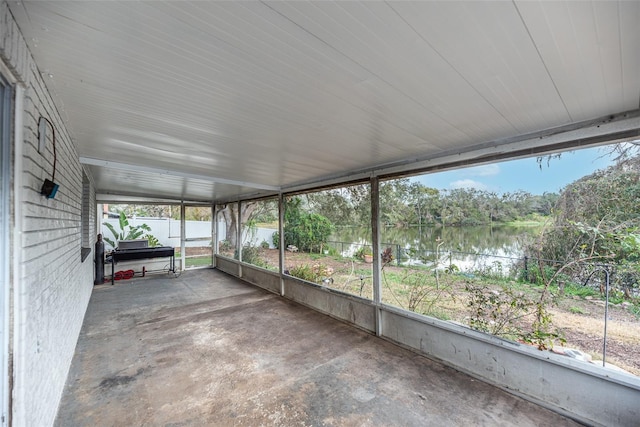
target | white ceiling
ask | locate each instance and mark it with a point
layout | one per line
(216, 100)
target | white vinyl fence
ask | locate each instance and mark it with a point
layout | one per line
(167, 231)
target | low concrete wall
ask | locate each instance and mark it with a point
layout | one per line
(262, 278)
(229, 266)
(357, 311)
(587, 393)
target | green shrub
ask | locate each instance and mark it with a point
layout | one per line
(513, 315)
(304, 272)
(224, 245)
(494, 270)
(533, 274)
(362, 251)
(330, 250)
(312, 273)
(252, 255)
(579, 290)
(307, 231)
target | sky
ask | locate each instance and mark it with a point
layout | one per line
(523, 174)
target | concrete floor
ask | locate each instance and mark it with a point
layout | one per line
(208, 349)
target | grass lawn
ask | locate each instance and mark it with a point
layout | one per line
(196, 261)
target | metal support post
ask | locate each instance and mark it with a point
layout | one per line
(183, 236)
(376, 237)
(606, 307)
(281, 245)
(239, 237)
(214, 234)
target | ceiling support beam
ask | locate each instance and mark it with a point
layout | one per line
(159, 171)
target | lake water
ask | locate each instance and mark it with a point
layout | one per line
(469, 248)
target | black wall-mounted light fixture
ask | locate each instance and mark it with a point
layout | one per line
(49, 187)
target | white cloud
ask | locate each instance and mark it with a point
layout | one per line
(468, 183)
(484, 170)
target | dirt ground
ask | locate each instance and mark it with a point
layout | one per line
(585, 331)
(581, 320)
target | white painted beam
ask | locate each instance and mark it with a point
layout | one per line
(159, 171)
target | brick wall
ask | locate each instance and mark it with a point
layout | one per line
(53, 286)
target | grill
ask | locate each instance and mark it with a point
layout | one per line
(132, 250)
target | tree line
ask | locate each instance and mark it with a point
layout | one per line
(405, 203)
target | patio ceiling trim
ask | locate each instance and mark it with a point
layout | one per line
(605, 130)
(160, 171)
(136, 199)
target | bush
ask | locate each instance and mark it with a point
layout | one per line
(493, 271)
(306, 231)
(309, 233)
(362, 251)
(510, 314)
(304, 272)
(311, 273)
(332, 252)
(252, 255)
(579, 290)
(533, 274)
(224, 245)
